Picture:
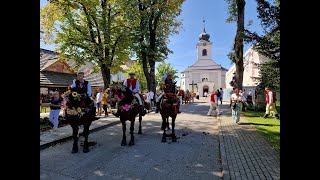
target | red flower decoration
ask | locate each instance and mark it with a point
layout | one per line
(83, 104)
(116, 96)
(122, 97)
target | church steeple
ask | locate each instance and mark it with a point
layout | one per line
(204, 36)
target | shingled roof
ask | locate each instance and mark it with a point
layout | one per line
(53, 78)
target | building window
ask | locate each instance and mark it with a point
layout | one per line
(204, 52)
(182, 82)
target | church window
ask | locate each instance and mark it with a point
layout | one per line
(204, 52)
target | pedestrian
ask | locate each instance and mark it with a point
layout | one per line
(244, 100)
(231, 92)
(98, 100)
(55, 107)
(180, 94)
(271, 103)
(104, 102)
(214, 106)
(151, 94)
(236, 105)
(221, 96)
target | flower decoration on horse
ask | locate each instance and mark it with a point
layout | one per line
(78, 103)
(170, 93)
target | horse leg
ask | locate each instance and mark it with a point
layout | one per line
(140, 120)
(164, 136)
(124, 141)
(174, 138)
(167, 123)
(86, 135)
(131, 132)
(75, 129)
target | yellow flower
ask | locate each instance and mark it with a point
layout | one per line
(74, 94)
(79, 109)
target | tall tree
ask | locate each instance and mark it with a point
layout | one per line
(88, 30)
(268, 44)
(236, 14)
(136, 67)
(162, 69)
(154, 21)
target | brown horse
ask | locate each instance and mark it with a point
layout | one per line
(169, 107)
(129, 108)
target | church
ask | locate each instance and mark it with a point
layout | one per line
(204, 75)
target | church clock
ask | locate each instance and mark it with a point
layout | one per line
(204, 44)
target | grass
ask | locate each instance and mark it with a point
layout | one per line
(269, 128)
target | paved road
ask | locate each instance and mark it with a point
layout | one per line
(194, 156)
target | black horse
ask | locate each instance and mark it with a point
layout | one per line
(128, 108)
(80, 111)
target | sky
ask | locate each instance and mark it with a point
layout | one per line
(222, 34)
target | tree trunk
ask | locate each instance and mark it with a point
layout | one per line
(106, 74)
(238, 46)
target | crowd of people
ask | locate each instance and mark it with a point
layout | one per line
(101, 98)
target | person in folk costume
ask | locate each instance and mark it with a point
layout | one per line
(271, 103)
(167, 80)
(133, 84)
(82, 86)
(214, 106)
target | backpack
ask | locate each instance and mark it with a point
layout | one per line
(219, 94)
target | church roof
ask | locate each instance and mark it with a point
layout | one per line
(205, 65)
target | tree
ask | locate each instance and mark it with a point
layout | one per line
(94, 31)
(162, 69)
(268, 45)
(236, 14)
(137, 69)
(154, 21)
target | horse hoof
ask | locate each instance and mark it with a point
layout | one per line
(123, 143)
(139, 132)
(74, 150)
(164, 140)
(131, 143)
(86, 150)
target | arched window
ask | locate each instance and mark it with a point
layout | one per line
(204, 52)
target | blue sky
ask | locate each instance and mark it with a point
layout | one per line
(221, 33)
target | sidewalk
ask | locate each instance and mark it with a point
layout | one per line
(49, 138)
(245, 154)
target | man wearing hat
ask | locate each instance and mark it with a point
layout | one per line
(133, 84)
(81, 83)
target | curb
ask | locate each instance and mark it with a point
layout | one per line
(47, 145)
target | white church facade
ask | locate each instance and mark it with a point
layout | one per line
(204, 75)
(251, 59)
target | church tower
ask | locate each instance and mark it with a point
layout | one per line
(204, 76)
(204, 46)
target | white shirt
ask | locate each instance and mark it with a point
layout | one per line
(250, 93)
(135, 90)
(235, 96)
(99, 97)
(151, 94)
(88, 87)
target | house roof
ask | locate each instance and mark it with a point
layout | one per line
(48, 57)
(55, 78)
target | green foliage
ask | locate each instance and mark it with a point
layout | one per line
(162, 69)
(232, 7)
(94, 31)
(153, 21)
(268, 45)
(136, 67)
